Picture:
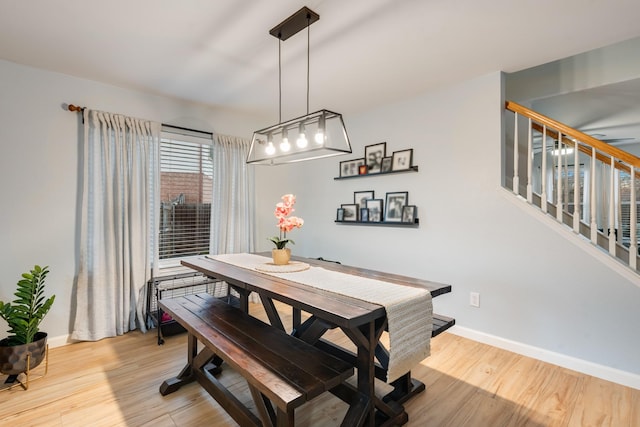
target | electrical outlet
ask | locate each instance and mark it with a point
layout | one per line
(474, 299)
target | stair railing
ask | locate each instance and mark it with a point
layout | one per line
(583, 182)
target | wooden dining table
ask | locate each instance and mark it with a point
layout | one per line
(362, 322)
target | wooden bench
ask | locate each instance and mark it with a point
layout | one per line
(279, 369)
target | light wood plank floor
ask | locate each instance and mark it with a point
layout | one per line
(114, 382)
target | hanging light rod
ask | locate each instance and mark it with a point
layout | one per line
(294, 24)
(317, 135)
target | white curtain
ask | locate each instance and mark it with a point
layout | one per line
(232, 215)
(115, 253)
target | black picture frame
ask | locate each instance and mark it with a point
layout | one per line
(360, 197)
(409, 213)
(402, 160)
(376, 209)
(387, 162)
(373, 155)
(350, 212)
(340, 214)
(350, 167)
(394, 202)
(364, 215)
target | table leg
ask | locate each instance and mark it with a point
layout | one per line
(404, 388)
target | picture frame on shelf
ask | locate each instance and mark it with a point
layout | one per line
(350, 212)
(364, 215)
(360, 198)
(409, 213)
(402, 160)
(394, 203)
(387, 162)
(373, 155)
(340, 214)
(375, 208)
(350, 167)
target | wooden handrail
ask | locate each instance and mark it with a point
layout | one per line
(573, 133)
(584, 149)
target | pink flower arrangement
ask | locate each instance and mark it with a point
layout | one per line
(286, 223)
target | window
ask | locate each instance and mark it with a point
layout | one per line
(186, 191)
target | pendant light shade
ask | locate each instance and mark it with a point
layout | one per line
(325, 136)
(315, 135)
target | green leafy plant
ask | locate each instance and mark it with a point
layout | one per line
(26, 312)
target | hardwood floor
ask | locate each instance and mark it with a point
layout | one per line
(114, 382)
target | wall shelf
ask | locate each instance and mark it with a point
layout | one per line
(414, 224)
(412, 169)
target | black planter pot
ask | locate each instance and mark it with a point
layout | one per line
(13, 359)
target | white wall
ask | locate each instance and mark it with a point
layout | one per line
(537, 287)
(39, 170)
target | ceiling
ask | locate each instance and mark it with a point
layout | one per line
(364, 53)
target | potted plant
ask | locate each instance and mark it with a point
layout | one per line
(281, 254)
(23, 316)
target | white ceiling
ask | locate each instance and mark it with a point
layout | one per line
(363, 52)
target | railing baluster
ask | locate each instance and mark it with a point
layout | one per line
(529, 163)
(516, 175)
(612, 214)
(559, 190)
(543, 172)
(576, 189)
(633, 239)
(592, 199)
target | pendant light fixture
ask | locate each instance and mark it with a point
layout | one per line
(314, 135)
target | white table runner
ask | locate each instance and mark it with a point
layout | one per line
(409, 309)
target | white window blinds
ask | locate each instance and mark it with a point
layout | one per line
(186, 192)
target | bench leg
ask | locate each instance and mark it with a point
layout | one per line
(286, 419)
(186, 375)
(264, 407)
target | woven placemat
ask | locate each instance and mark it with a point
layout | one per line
(292, 267)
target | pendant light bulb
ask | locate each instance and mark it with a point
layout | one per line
(302, 138)
(270, 149)
(284, 145)
(319, 138)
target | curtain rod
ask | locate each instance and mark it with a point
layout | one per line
(78, 109)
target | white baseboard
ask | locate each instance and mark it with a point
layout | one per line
(59, 341)
(607, 373)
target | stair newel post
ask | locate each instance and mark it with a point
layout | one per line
(529, 162)
(543, 171)
(560, 154)
(592, 198)
(576, 189)
(612, 213)
(516, 174)
(633, 206)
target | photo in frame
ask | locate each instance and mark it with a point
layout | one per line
(402, 160)
(386, 164)
(373, 155)
(394, 203)
(350, 167)
(340, 214)
(350, 212)
(364, 214)
(409, 213)
(375, 208)
(360, 198)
